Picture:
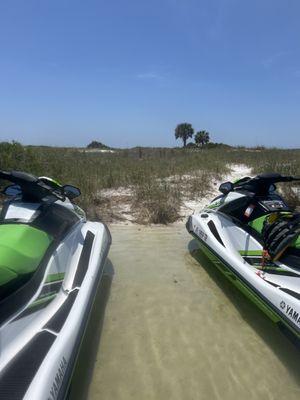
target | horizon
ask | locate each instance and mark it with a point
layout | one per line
(219, 144)
(127, 74)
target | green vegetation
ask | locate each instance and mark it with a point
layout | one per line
(202, 138)
(156, 202)
(184, 131)
(160, 178)
(97, 145)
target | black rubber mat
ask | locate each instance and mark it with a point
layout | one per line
(84, 259)
(17, 376)
(215, 232)
(59, 318)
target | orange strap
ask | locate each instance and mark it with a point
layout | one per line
(265, 257)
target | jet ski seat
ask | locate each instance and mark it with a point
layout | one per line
(22, 248)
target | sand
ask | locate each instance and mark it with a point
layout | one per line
(194, 206)
(174, 328)
(120, 199)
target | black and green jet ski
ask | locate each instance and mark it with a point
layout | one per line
(253, 237)
(51, 263)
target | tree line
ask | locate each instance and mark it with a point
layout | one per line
(185, 131)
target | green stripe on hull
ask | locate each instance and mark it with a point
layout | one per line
(213, 206)
(245, 289)
(250, 252)
(55, 277)
(44, 300)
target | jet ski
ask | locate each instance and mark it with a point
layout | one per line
(51, 263)
(253, 237)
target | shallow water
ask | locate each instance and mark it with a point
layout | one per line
(176, 329)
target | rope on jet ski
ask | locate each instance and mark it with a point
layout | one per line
(279, 232)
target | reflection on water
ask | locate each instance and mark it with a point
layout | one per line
(88, 351)
(177, 329)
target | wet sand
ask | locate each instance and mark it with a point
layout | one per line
(176, 329)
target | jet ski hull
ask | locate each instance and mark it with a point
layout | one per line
(274, 288)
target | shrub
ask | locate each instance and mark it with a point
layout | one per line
(157, 203)
(97, 145)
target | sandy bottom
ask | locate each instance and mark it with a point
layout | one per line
(176, 329)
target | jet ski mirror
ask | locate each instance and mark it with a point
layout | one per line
(226, 187)
(71, 191)
(12, 190)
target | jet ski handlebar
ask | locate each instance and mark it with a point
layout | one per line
(281, 178)
(31, 186)
(258, 185)
(269, 179)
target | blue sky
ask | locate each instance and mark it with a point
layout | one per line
(126, 72)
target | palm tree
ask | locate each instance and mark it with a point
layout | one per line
(202, 138)
(184, 131)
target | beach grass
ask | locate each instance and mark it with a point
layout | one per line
(158, 176)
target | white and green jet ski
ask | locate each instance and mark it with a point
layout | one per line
(51, 262)
(253, 237)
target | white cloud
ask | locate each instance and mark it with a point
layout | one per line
(268, 62)
(149, 75)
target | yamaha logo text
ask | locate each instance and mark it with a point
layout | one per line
(290, 312)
